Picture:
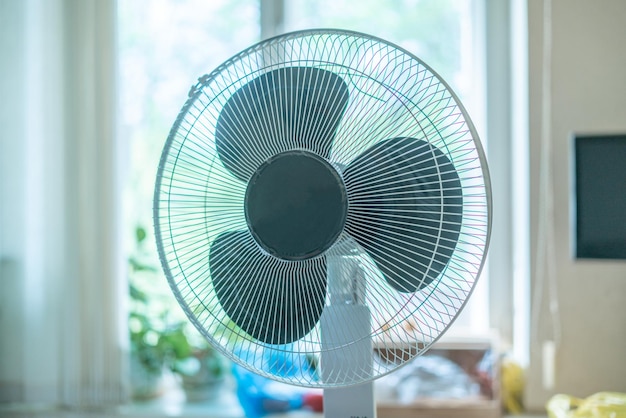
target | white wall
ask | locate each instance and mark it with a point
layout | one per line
(588, 95)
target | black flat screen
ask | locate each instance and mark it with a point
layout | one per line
(600, 202)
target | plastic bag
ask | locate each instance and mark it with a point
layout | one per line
(512, 390)
(429, 376)
(600, 405)
(260, 396)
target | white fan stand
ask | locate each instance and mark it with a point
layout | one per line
(346, 321)
(288, 113)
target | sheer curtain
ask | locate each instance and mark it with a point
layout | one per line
(62, 332)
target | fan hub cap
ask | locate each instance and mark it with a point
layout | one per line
(296, 205)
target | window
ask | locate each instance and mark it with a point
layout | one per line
(164, 48)
(447, 36)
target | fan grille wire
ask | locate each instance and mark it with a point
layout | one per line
(392, 94)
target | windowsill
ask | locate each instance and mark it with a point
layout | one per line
(153, 410)
(172, 403)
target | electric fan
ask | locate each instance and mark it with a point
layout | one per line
(322, 211)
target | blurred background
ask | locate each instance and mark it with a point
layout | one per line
(89, 91)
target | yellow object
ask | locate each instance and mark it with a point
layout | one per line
(600, 405)
(512, 386)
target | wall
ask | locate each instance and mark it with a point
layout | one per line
(588, 94)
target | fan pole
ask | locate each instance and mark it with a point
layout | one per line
(346, 342)
(350, 402)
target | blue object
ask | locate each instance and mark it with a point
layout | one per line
(260, 396)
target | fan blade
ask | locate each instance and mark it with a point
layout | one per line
(273, 301)
(405, 209)
(292, 107)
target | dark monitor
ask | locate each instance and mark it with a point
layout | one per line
(600, 196)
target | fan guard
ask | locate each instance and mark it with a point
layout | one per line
(409, 221)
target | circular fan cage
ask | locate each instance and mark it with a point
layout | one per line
(322, 171)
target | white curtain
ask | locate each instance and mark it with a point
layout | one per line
(62, 288)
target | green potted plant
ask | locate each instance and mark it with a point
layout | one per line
(146, 324)
(200, 367)
(146, 356)
(159, 341)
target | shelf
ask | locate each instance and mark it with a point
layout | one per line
(468, 352)
(437, 408)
